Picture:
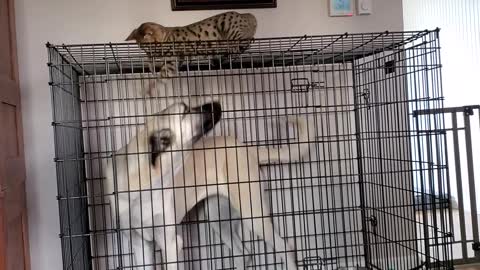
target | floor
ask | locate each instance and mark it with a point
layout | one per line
(468, 267)
(456, 248)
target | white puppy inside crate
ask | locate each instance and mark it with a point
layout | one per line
(169, 167)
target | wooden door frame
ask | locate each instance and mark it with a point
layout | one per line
(10, 94)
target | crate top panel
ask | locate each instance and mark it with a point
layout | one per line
(127, 58)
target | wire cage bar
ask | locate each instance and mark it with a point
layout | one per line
(363, 194)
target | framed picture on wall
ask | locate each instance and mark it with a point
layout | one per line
(221, 4)
(341, 8)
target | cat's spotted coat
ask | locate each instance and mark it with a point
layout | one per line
(228, 26)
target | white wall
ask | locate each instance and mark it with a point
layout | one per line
(67, 21)
(460, 53)
(460, 41)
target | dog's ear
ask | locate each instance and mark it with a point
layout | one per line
(133, 35)
(159, 141)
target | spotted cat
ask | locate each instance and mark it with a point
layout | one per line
(228, 26)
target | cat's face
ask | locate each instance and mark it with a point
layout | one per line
(147, 33)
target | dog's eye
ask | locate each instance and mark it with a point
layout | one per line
(165, 141)
(159, 141)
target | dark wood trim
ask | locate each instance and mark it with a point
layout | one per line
(208, 5)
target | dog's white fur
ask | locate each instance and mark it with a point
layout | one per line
(151, 198)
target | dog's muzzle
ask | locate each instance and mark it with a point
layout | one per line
(210, 113)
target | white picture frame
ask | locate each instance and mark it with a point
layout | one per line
(340, 8)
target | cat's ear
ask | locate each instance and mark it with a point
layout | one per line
(133, 35)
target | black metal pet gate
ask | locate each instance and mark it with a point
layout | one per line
(363, 196)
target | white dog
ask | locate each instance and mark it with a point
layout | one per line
(169, 167)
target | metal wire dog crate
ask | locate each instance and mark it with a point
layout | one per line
(371, 192)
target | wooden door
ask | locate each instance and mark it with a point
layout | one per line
(13, 214)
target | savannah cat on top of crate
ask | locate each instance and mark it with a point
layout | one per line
(228, 26)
